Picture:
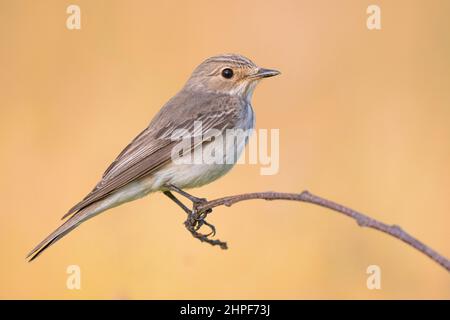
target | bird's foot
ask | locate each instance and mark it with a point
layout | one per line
(193, 229)
(200, 222)
(196, 218)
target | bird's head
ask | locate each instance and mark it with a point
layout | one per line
(228, 74)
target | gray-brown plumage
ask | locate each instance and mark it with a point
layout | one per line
(214, 95)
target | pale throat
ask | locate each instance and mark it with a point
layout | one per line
(245, 90)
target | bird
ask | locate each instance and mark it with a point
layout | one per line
(217, 95)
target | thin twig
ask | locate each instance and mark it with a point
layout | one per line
(363, 220)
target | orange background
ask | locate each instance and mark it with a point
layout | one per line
(364, 119)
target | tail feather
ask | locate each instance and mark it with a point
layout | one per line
(61, 231)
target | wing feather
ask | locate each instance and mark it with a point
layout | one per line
(152, 148)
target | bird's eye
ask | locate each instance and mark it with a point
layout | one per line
(227, 73)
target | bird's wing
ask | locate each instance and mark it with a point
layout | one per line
(152, 148)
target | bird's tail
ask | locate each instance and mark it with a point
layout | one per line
(64, 229)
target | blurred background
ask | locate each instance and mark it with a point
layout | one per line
(364, 119)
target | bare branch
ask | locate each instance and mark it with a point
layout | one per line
(201, 209)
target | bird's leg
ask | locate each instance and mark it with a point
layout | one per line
(194, 199)
(198, 216)
(171, 196)
(199, 222)
(195, 218)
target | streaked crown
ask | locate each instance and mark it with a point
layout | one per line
(229, 74)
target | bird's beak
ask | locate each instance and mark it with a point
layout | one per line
(265, 73)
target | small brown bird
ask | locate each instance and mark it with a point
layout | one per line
(218, 95)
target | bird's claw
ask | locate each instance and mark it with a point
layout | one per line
(212, 227)
(199, 221)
